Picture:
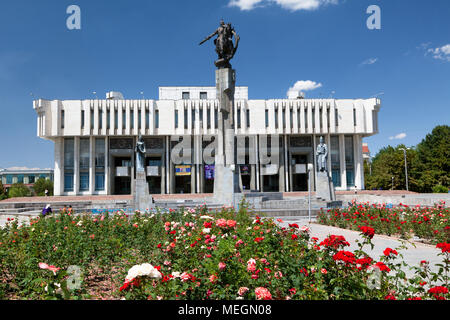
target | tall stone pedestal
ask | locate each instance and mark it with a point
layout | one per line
(325, 187)
(226, 182)
(143, 201)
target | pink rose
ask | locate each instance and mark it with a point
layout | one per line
(222, 266)
(262, 294)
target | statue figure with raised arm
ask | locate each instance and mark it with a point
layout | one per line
(224, 44)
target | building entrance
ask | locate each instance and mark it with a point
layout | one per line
(299, 172)
(183, 184)
(122, 178)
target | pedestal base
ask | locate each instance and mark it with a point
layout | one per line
(226, 185)
(325, 187)
(143, 201)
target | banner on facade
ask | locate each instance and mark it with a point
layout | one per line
(209, 172)
(183, 170)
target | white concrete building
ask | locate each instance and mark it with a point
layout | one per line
(95, 139)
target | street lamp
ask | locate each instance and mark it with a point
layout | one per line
(310, 168)
(406, 167)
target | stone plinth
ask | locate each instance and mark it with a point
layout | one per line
(325, 187)
(142, 199)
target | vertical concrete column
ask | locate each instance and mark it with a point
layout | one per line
(58, 187)
(257, 166)
(286, 164)
(342, 160)
(314, 162)
(163, 168)
(76, 165)
(359, 166)
(91, 165)
(107, 168)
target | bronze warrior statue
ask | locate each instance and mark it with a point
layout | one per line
(224, 44)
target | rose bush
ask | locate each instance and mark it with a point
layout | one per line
(429, 223)
(200, 254)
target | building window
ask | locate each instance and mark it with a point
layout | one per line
(92, 119)
(20, 178)
(208, 118)
(313, 110)
(156, 119)
(320, 119)
(31, 179)
(185, 96)
(84, 153)
(349, 161)
(139, 119)
(185, 118)
(62, 119)
(248, 118)
(276, 118)
(267, 118)
(147, 118)
(283, 115)
(216, 118)
(116, 119)
(99, 182)
(335, 161)
(100, 119)
(203, 95)
(291, 118)
(68, 153)
(306, 119)
(200, 117)
(336, 117)
(193, 118)
(132, 119)
(84, 181)
(176, 119)
(239, 118)
(108, 119)
(9, 179)
(124, 119)
(82, 119)
(68, 182)
(354, 116)
(100, 153)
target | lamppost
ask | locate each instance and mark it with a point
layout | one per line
(406, 167)
(310, 169)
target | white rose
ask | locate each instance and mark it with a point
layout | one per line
(206, 230)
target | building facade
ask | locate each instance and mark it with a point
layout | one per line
(94, 140)
(28, 177)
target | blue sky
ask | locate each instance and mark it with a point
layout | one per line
(138, 45)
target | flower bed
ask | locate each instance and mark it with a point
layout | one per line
(198, 254)
(428, 223)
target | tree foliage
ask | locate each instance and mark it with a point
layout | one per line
(2, 191)
(41, 185)
(428, 164)
(19, 190)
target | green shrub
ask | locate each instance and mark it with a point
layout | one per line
(19, 190)
(440, 189)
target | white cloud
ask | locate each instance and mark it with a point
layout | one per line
(369, 61)
(245, 4)
(442, 53)
(398, 136)
(302, 86)
(293, 5)
(307, 85)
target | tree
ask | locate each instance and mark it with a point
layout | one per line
(2, 191)
(19, 190)
(428, 164)
(390, 162)
(41, 185)
(434, 159)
